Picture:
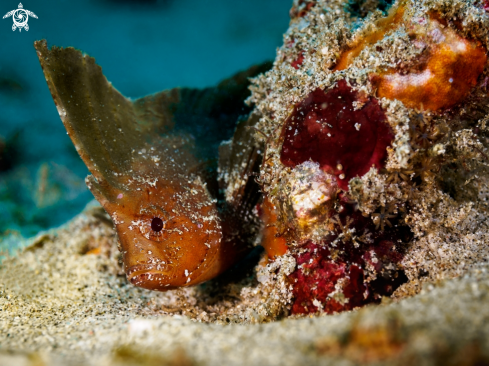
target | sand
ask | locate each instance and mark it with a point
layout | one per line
(64, 301)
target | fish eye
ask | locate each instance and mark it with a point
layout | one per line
(157, 224)
(153, 223)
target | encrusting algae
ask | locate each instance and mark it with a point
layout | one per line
(361, 168)
(376, 149)
(443, 75)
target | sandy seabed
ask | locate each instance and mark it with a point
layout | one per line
(65, 301)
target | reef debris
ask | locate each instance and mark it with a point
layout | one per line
(376, 150)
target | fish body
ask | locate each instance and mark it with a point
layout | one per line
(154, 168)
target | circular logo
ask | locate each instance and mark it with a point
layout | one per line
(20, 18)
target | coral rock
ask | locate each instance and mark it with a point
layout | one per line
(354, 266)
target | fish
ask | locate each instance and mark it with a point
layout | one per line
(160, 169)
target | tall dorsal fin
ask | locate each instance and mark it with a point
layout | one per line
(108, 128)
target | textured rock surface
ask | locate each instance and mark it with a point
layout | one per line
(395, 121)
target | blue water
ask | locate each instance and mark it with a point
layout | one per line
(143, 47)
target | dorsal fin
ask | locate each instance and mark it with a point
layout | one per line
(107, 128)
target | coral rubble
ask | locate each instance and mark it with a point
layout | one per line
(376, 157)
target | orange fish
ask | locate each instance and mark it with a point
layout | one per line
(174, 227)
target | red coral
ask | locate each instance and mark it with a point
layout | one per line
(327, 129)
(315, 281)
(347, 271)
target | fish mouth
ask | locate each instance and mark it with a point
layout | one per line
(150, 276)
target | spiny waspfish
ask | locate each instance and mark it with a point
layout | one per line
(155, 169)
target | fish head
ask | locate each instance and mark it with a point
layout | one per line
(169, 231)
